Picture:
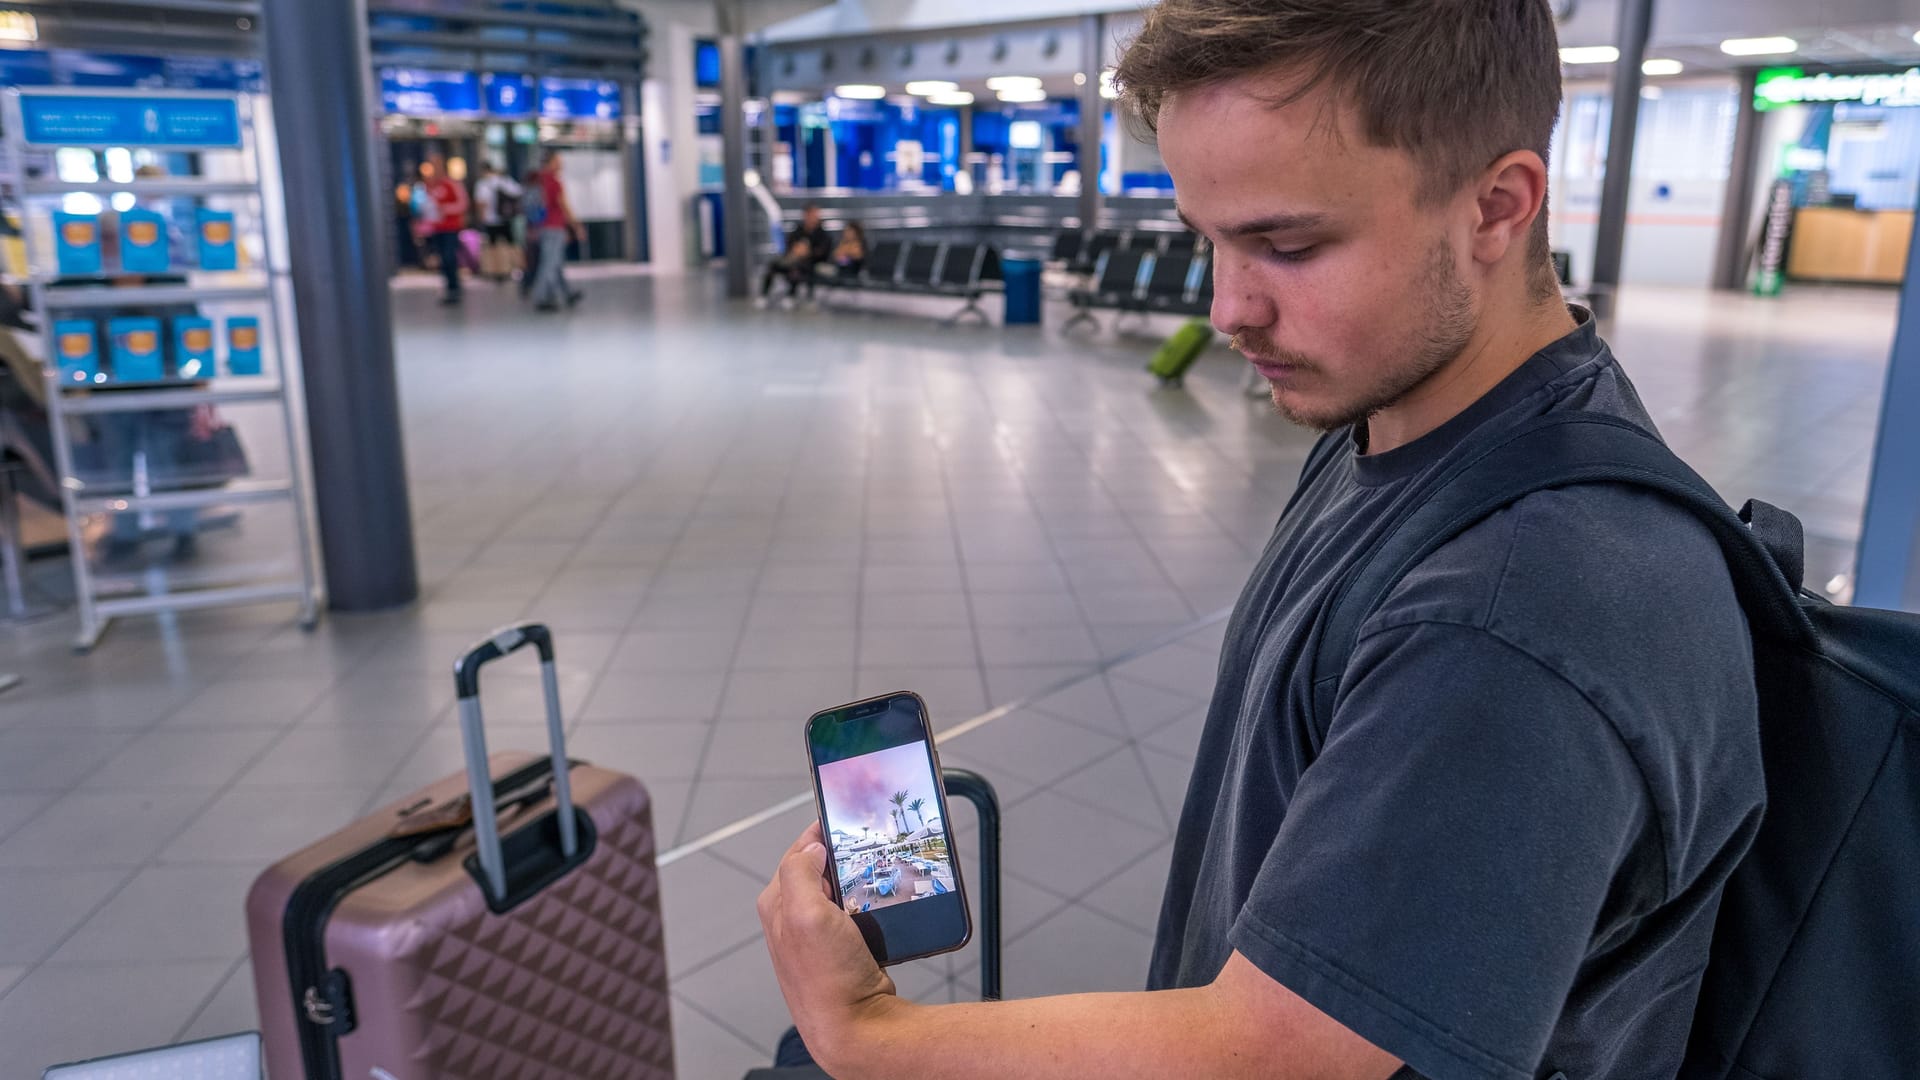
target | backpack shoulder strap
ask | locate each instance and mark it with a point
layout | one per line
(1554, 451)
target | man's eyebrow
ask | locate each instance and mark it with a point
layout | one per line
(1274, 223)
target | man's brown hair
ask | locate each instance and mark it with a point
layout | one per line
(1456, 83)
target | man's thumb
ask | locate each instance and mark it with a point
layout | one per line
(805, 865)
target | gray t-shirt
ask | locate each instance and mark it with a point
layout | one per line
(1503, 857)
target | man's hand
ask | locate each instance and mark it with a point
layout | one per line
(579, 233)
(827, 975)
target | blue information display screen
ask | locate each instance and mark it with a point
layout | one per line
(510, 95)
(421, 92)
(579, 99)
(149, 120)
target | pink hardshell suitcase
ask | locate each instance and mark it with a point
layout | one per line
(426, 941)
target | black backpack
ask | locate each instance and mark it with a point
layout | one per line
(1815, 965)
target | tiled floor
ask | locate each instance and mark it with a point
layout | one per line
(731, 519)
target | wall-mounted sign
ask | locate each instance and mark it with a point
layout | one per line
(146, 120)
(18, 26)
(423, 92)
(579, 99)
(509, 95)
(1793, 86)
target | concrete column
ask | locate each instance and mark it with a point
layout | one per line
(319, 74)
(673, 150)
(1634, 22)
(1889, 566)
(1093, 30)
(1730, 262)
(733, 136)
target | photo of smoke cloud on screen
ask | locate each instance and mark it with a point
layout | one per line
(858, 792)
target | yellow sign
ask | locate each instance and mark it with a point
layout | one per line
(78, 233)
(141, 342)
(217, 232)
(74, 346)
(142, 233)
(245, 337)
(199, 339)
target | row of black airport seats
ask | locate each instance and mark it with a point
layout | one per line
(1081, 252)
(1179, 283)
(939, 268)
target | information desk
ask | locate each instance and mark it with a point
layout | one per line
(1832, 243)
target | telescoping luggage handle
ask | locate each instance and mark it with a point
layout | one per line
(473, 740)
(971, 786)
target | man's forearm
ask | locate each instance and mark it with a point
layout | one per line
(1112, 1036)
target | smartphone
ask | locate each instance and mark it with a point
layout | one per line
(883, 812)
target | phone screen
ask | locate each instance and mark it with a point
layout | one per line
(883, 811)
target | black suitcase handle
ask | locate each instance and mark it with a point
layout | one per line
(506, 640)
(971, 786)
(490, 863)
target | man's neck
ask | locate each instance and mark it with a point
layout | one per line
(1499, 346)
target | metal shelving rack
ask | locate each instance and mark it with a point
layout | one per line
(65, 401)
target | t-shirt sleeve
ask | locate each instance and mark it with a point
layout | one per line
(1446, 857)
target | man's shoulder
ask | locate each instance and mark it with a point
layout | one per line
(1595, 581)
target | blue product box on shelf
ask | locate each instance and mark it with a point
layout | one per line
(76, 243)
(77, 343)
(215, 232)
(143, 242)
(135, 350)
(243, 345)
(192, 347)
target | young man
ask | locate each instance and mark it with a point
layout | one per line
(808, 245)
(558, 223)
(448, 199)
(1503, 856)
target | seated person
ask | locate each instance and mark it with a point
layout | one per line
(850, 254)
(808, 245)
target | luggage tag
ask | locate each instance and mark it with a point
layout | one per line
(449, 818)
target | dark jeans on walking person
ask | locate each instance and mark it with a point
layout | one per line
(446, 246)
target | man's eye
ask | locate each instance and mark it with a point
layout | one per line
(1291, 255)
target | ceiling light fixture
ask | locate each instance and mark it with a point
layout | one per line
(1589, 54)
(956, 98)
(1759, 46)
(930, 87)
(1662, 67)
(1022, 95)
(1013, 82)
(860, 91)
(1107, 89)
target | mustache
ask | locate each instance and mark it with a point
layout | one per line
(1256, 345)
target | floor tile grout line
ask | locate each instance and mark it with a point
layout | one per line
(701, 843)
(724, 1025)
(960, 560)
(218, 985)
(41, 961)
(740, 640)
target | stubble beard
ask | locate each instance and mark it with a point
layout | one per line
(1446, 326)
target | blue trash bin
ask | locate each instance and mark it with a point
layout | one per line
(1021, 276)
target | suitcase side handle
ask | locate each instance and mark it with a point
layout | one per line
(473, 741)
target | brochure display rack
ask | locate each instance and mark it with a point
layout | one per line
(154, 286)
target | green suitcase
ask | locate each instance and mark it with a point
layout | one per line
(1175, 355)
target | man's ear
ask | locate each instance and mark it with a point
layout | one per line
(1511, 193)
